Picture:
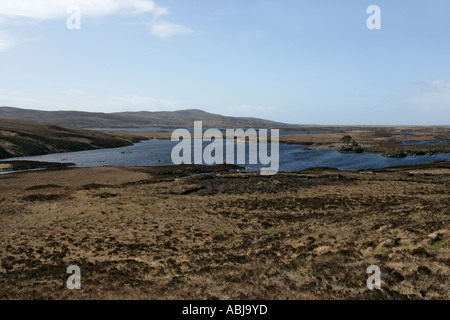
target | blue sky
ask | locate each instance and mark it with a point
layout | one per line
(293, 61)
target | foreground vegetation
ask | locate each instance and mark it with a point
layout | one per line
(174, 233)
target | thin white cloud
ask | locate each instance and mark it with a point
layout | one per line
(55, 9)
(6, 41)
(431, 95)
(82, 101)
(163, 29)
(17, 12)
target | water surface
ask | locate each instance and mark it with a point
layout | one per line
(411, 143)
(292, 158)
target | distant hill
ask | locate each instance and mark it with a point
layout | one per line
(22, 138)
(166, 119)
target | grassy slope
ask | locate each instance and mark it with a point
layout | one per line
(23, 138)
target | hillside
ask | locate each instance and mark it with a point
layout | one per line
(172, 119)
(24, 138)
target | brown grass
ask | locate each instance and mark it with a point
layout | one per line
(157, 233)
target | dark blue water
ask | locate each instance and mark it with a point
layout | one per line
(410, 143)
(292, 158)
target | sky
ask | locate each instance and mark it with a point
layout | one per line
(293, 61)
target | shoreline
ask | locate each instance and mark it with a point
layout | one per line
(378, 141)
(21, 166)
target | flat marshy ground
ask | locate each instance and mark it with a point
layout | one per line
(382, 140)
(163, 233)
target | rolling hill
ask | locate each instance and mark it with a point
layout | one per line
(165, 119)
(23, 138)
